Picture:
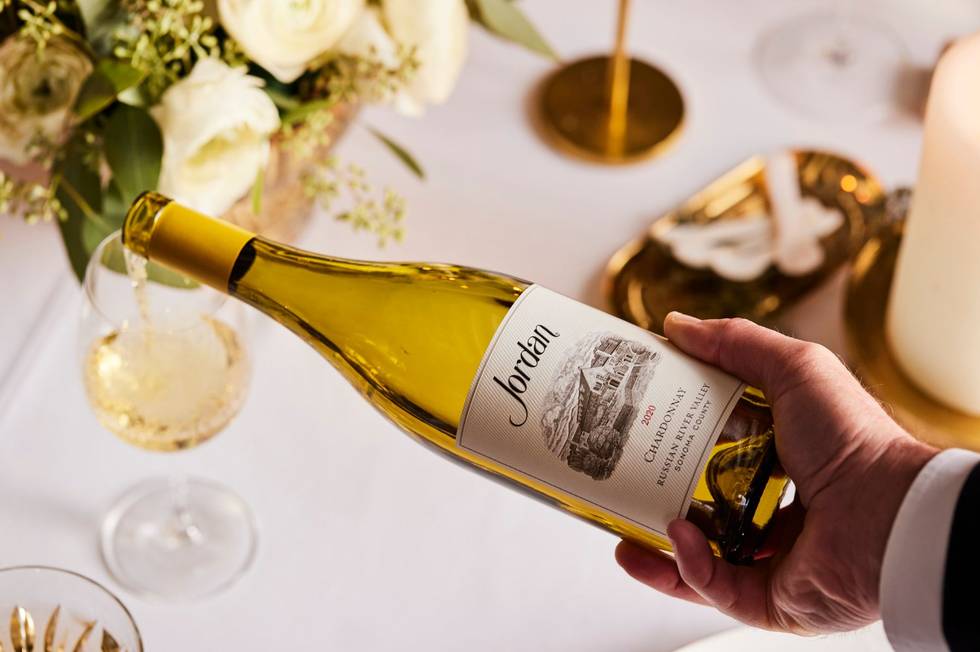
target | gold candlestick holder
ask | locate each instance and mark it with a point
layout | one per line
(610, 109)
(864, 320)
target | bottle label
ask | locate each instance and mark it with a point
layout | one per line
(597, 408)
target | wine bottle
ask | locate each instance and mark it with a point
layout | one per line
(596, 416)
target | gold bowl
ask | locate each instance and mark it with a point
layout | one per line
(864, 321)
(644, 282)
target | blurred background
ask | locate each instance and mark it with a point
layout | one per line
(367, 541)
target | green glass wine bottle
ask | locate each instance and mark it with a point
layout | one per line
(596, 416)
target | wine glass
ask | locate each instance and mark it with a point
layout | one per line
(833, 65)
(165, 368)
(55, 609)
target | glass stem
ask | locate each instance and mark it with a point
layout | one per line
(185, 529)
(840, 51)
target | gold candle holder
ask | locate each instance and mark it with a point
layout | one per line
(864, 320)
(610, 109)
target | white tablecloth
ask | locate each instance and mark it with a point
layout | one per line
(368, 541)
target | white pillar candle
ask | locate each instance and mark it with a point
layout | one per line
(933, 321)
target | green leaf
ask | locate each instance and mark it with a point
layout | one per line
(400, 152)
(80, 192)
(93, 233)
(283, 101)
(505, 19)
(103, 86)
(114, 207)
(301, 111)
(133, 150)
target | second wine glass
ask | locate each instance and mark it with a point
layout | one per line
(165, 367)
(836, 65)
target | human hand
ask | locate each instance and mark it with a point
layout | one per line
(851, 463)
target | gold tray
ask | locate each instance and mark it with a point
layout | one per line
(644, 282)
(864, 321)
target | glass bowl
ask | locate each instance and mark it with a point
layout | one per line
(56, 609)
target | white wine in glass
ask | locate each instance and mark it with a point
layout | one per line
(165, 367)
(142, 388)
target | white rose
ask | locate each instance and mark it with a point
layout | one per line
(284, 36)
(216, 125)
(368, 39)
(437, 29)
(37, 91)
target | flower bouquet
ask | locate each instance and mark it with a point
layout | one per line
(229, 106)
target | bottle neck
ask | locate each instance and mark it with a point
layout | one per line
(201, 247)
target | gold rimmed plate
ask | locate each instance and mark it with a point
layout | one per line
(644, 282)
(864, 320)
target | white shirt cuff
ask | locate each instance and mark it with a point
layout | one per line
(912, 571)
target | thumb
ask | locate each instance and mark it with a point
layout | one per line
(759, 356)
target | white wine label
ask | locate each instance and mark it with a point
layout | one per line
(597, 408)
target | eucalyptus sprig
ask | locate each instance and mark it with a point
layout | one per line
(165, 37)
(381, 215)
(343, 81)
(308, 132)
(361, 80)
(34, 202)
(40, 23)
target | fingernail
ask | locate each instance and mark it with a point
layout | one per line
(682, 319)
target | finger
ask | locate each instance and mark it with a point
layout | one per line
(760, 356)
(739, 591)
(656, 570)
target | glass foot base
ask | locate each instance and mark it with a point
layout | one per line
(833, 68)
(178, 540)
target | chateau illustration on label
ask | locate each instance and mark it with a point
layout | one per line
(593, 403)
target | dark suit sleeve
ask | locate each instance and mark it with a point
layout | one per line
(961, 584)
